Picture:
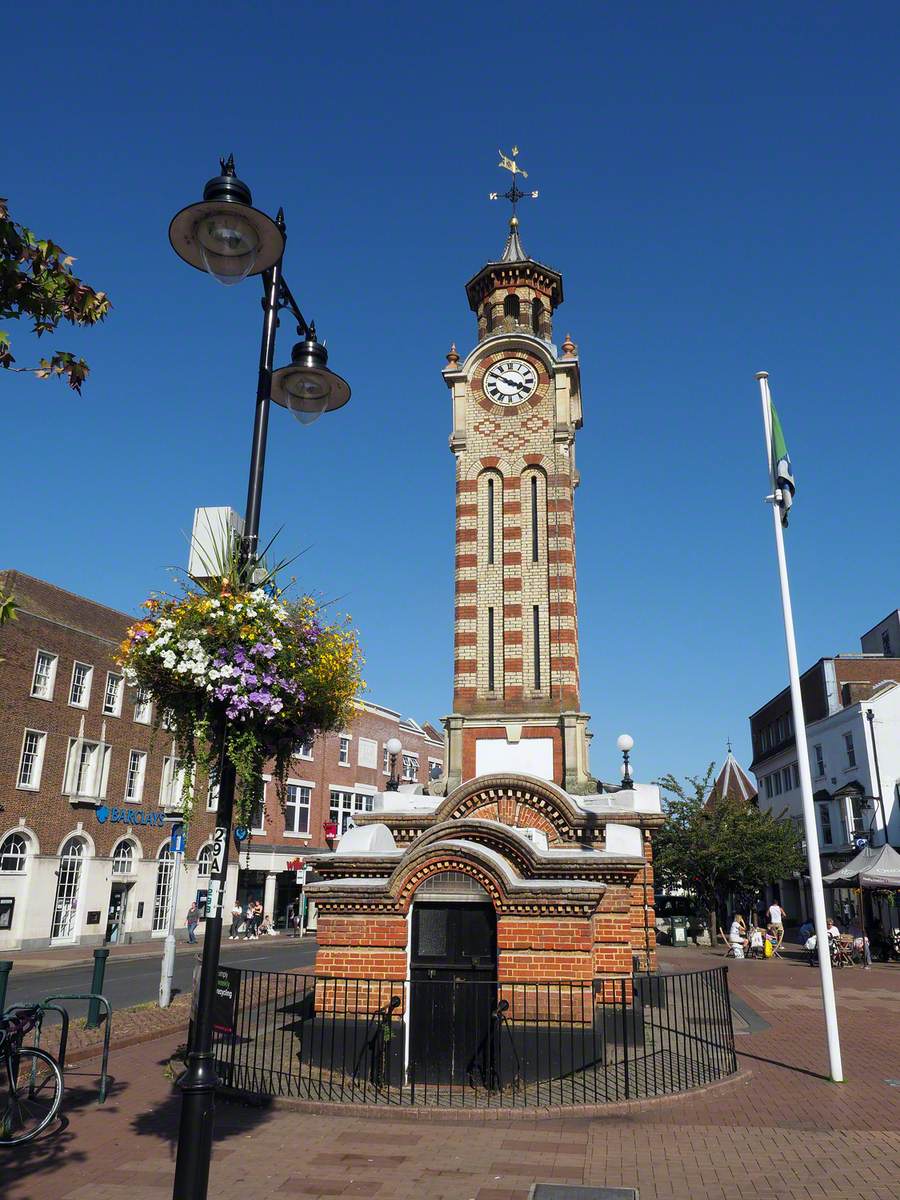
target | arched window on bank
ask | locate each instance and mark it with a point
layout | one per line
(162, 899)
(68, 891)
(13, 853)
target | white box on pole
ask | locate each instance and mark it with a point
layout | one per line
(215, 531)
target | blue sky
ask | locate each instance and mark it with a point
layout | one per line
(719, 188)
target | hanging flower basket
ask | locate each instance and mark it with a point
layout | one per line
(266, 669)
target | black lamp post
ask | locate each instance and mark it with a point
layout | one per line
(230, 239)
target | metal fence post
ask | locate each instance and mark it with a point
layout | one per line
(5, 968)
(101, 954)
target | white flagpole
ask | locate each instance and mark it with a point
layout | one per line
(809, 815)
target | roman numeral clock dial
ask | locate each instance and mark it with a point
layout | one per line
(510, 381)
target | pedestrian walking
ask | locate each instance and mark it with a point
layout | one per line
(193, 920)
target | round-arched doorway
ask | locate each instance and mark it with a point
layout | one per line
(453, 979)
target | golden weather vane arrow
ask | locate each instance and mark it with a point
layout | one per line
(515, 193)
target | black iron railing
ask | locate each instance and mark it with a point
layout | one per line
(474, 1043)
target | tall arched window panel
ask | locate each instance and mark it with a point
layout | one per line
(534, 517)
(489, 620)
(511, 307)
(490, 519)
(536, 583)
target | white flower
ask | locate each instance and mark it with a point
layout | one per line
(169, 659)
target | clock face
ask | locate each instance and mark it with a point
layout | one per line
(510, 381)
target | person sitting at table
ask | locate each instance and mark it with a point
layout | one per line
(757, 949)
(737, 935)
(833, 932)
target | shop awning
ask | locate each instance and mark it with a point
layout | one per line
(874, 867)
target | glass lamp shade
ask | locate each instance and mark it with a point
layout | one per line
(228, 239)
(625, 742)
(393, 745)
(228, 245)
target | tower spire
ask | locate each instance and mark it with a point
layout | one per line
(513, 251)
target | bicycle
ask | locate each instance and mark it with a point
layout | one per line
(34, 1082)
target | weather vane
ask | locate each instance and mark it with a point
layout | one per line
(515, 193)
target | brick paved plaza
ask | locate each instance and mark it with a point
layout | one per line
(781, 1130)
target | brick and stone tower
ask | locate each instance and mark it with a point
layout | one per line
(516, 408)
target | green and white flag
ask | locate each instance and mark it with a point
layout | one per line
(782, 471)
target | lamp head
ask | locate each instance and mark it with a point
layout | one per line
(224, 234)
(307, 387)
(625, 742)
(393, 746)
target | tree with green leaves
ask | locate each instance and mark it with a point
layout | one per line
(37, 283)
(720, 848)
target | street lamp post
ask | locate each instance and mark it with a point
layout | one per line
(394, 747)
(625, 743)
(230, 239)
(870, 717)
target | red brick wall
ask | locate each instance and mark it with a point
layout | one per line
(543, 948)
(49, 812)
(363, 947)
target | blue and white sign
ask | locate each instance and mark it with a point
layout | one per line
(129, 816)
(861, 842)
(178, 838)
(241, 833)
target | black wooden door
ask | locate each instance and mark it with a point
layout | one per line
(453, 973)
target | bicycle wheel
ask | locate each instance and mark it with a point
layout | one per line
(34, 1088)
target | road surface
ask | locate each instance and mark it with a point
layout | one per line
(132, 981)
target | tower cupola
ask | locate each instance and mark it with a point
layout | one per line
(515, 292)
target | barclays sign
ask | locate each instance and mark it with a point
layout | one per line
(129, 816)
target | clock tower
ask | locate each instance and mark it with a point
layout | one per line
(516, 399)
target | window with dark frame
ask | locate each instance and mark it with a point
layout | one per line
(490, 500)
(851, 750)
(536, 633)
(511, 307)
(534, 519)
(537, 311)
(490, 649)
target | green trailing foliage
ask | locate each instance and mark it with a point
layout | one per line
(720, 850)
(37, 283)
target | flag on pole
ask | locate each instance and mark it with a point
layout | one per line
(782, 471)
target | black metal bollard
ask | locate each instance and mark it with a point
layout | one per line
(93, 1014)
(5, 968)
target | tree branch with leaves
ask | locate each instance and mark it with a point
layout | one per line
(723, 849)
(37, 283)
